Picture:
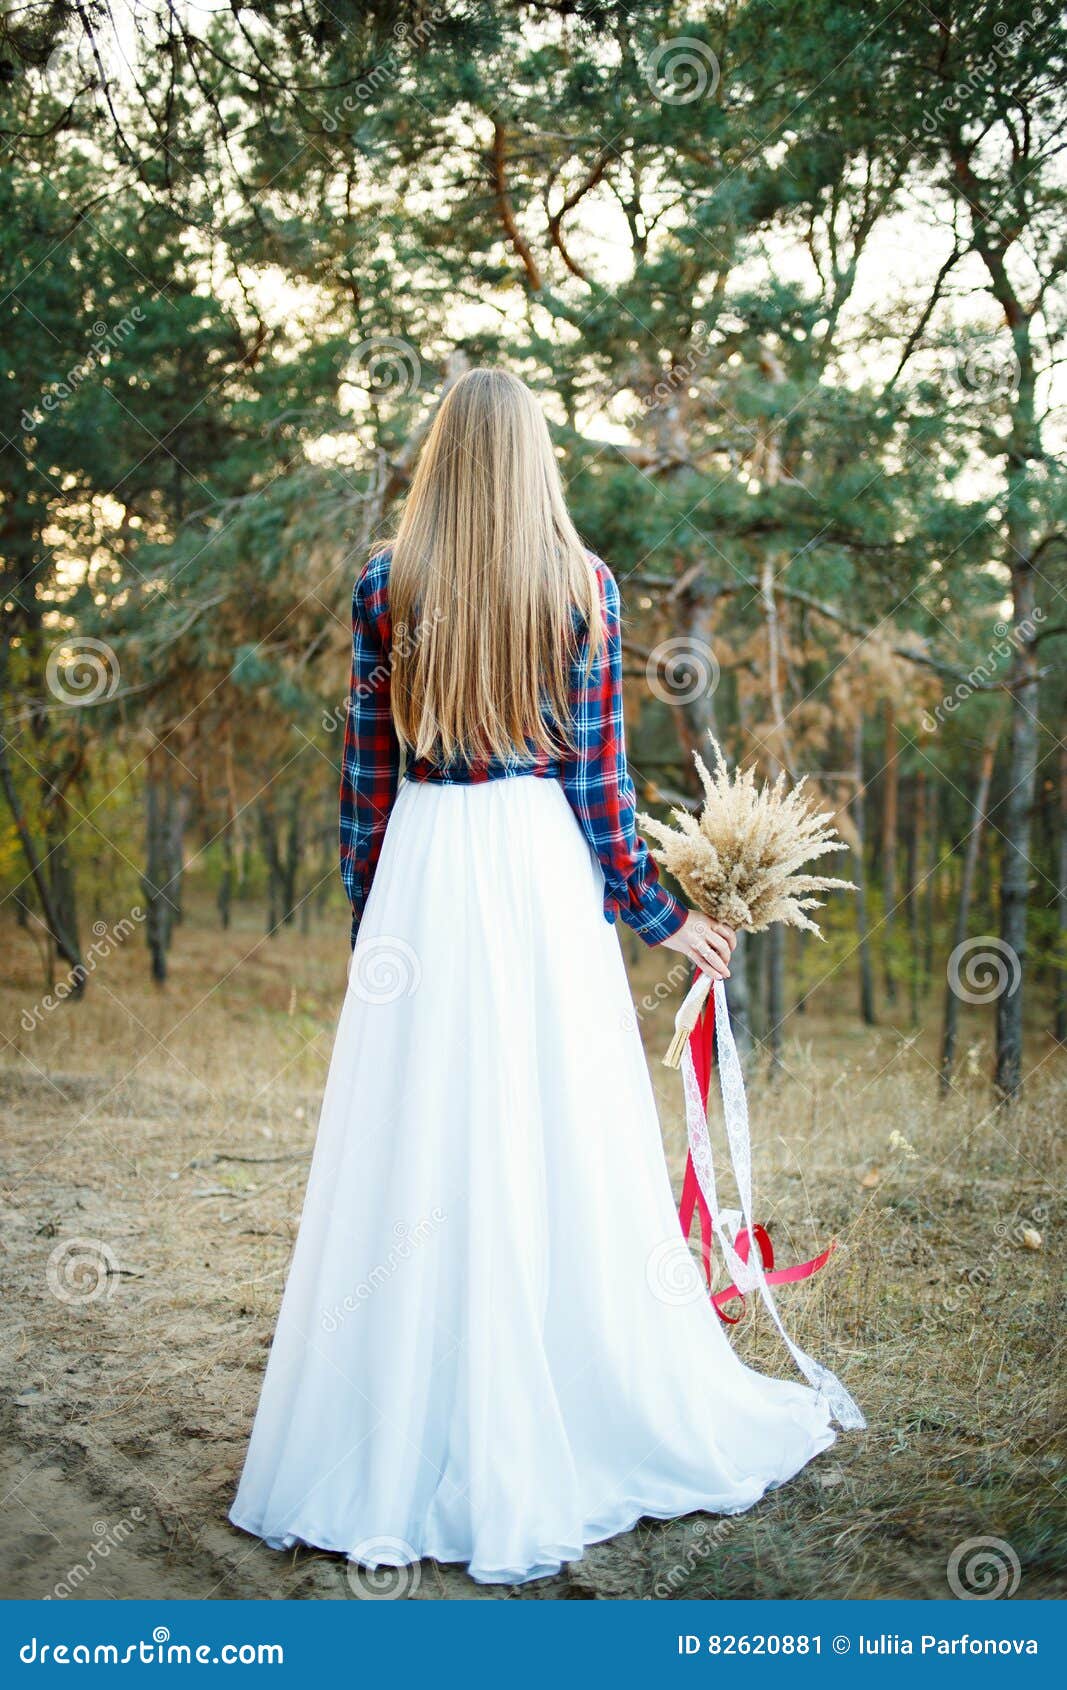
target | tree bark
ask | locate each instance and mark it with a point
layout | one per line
(739, 997)
(156, 881)
(1015, 830)
(915, 877)
(933, 850)
(1060, 1019)
(61, 872)
(867, 1013)
(291, 862)
(696, 715)
(63, 936)
(225, 892)
(994, 232)
(268, 826)
(775, 953)
(890, 826)
(775, 995)
(65, 940)
(963, 908)
(694, 720)
(175, 844)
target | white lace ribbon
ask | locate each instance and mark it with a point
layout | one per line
(748, 1275)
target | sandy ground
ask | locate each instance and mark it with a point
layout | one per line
(154, 1153)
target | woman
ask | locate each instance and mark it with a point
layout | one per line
(493, 1348)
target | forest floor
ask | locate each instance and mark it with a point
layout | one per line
(169, 1131)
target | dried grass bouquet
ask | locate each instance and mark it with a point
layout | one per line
(738, 861)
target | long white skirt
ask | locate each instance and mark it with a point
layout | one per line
(493, 1347)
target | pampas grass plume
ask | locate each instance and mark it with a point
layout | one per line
(738, 861)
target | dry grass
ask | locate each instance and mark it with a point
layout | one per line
(739, 861)
(174, 1127)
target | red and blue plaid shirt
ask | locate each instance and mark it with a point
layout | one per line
(593, 775)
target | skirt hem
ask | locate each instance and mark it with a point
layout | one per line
(550, 1559)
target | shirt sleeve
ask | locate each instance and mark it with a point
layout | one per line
(599, 790)
(370, 761)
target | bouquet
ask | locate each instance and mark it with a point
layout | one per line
(739, 863)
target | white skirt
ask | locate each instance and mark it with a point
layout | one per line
(493, 1346)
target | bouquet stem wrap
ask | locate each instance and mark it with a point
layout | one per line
(746, 1247)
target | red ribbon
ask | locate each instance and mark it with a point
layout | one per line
(702, 1050)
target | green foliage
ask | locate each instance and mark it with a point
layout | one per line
(239, 279)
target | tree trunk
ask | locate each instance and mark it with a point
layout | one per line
(802, 941)
(933, 847)
(890, 825)
(739, 997)
(859, 870)
(175, 843)
(963, 907)
(775, 995)
(64, 939)
(775, 960)
(993, 236)
(291, 863)
(696, 700)
(229, 840)
(225, 892)
(328, 853)
(1059, 1023)
(915, 884)
(694, 720)
(268, 826)
(155, 883)
(61, 871)
(1015, 832)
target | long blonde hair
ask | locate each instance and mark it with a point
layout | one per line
(486, 574)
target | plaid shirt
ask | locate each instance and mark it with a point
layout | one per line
(594, 776)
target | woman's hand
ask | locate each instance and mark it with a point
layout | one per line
(706, 943)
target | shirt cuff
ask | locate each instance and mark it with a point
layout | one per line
(656, 917)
